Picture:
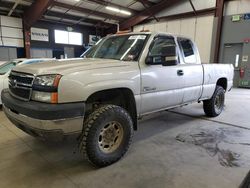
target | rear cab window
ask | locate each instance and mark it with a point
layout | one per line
(187, 50)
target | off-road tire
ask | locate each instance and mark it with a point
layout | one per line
(89, 141)
(210, 107)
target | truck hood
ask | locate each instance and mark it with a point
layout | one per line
(68, 66)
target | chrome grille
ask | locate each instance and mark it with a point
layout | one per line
(20, 85)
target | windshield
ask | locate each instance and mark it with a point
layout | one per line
(123, 47)
(7, 67)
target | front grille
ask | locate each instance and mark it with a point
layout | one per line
(20, 85)
(22, 93)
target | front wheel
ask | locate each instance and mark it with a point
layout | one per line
(107, 134)
(214, 106)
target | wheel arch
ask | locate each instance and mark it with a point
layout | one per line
(123, 97)
(222, 82)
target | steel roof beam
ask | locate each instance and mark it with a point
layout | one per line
(146, 2)
(35, 12)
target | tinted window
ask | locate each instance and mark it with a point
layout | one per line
(161, 48)
(187, 50)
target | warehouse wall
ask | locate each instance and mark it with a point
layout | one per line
(186, 7)
(11, 31)
(43, 47)
(235, 40)
(11, 37)
(237, 7)
(195, 28)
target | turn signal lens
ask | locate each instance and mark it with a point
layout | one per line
(56, 80)
(54, 98)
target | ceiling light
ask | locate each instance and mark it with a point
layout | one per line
(118, 10)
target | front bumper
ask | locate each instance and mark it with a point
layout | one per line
(48, 121)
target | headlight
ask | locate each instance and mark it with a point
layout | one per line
(47, 80)
(45, 88)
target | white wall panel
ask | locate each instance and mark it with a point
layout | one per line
(161, 27)
(12, 32)
(174, 27)
(188, 27)
(150, 27)
(176, 9)
(11, 21)
(244, 6)
(201, 4)
(231, 7)
(186, 7)
(137, 28)
(203, 36)
(237, 7)
(199, 29)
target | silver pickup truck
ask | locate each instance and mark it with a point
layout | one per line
(101, 96)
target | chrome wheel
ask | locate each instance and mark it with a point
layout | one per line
(110, 137)
(219, 103)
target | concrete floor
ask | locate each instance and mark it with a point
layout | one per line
(178, 148)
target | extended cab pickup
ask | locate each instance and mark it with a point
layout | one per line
(101, 96)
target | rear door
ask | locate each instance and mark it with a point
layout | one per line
(192, 70)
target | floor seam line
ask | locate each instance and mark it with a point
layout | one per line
(215, 121)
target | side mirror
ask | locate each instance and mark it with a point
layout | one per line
(170, 61)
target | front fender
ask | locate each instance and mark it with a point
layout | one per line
(75, 91)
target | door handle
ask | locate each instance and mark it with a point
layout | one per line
(180, 73)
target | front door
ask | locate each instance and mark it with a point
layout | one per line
(161, 86)
(233, 55)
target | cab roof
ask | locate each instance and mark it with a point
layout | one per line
(147, 33)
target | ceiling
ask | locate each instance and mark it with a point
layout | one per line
(83, 12)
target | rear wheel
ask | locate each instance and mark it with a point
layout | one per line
(214, 106)
(106, 136)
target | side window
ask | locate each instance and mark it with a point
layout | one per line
(162, 49)
(187, 50)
